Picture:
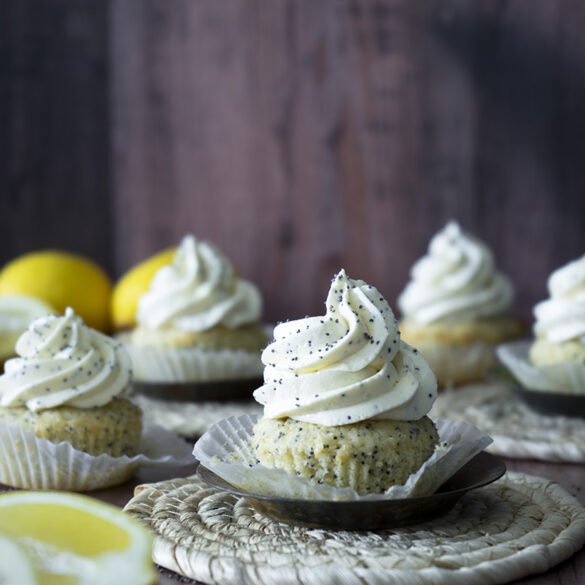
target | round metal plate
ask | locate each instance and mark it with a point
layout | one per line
(541, 401)
(379, 514)
(199, 391)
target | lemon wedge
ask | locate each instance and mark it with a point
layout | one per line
(68, 539)
(62, 280)
(132, 285)
(16, 313)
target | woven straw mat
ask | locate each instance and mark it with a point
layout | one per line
(517, 526)
(192, 419)
(517, 430)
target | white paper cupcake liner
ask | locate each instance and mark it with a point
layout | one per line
(568, 377)
(188, 364)
(29, 462)
(454, 364)
(226, 449)
(192, 419)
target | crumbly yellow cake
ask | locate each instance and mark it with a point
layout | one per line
(489, 330)
(460, 352)
(248, 338)
(546, 353)
(368, 456)
(114, 428)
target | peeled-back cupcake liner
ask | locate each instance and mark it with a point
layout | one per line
(28, 462)
(226, 449)
(566, 377)
(191, 364)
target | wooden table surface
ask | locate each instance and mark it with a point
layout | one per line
(570, 476)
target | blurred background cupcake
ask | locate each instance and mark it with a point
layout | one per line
(65, 420)
(198, 321)
(555, 359)
(456, 307)
(67, 384)
(559, 328)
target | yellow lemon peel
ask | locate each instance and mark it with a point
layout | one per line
(132, 285)
(69, 539)
(62, 280)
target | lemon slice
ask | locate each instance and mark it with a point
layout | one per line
(16, 313)
(132, 285)
(69, 539)
(63, 280)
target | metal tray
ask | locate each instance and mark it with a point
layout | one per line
(221, 390)
(380, 514)
(545, 402)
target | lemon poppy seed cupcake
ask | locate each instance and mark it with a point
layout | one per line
(559, 328)
(198, 321)
(66, 385)
(456, 307)
(345, 399)
(555, 360)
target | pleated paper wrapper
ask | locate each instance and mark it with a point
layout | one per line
(566, 377)
(29, 462)
(192, 364)
(226, 449)
(189, 364)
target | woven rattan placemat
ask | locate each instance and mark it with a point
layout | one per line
(192, 419)
(518, 526)
(517, 430)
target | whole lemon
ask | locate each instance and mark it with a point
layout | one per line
(132, 285)
(62, 280)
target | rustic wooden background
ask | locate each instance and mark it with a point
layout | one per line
(300, 136)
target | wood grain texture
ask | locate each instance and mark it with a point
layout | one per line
(273, 130)
(299, 136)
(302, 136)
(54, 135)
(520, 180)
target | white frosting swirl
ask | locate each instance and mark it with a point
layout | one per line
(64, 362)
(198, 291)
(562, 317)
(346, 366)
(455, 280)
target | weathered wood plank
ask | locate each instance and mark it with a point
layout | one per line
(299, 136)
(277, 131)
(54, 174)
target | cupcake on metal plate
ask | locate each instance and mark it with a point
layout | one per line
(198, 329)
(345, 419)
